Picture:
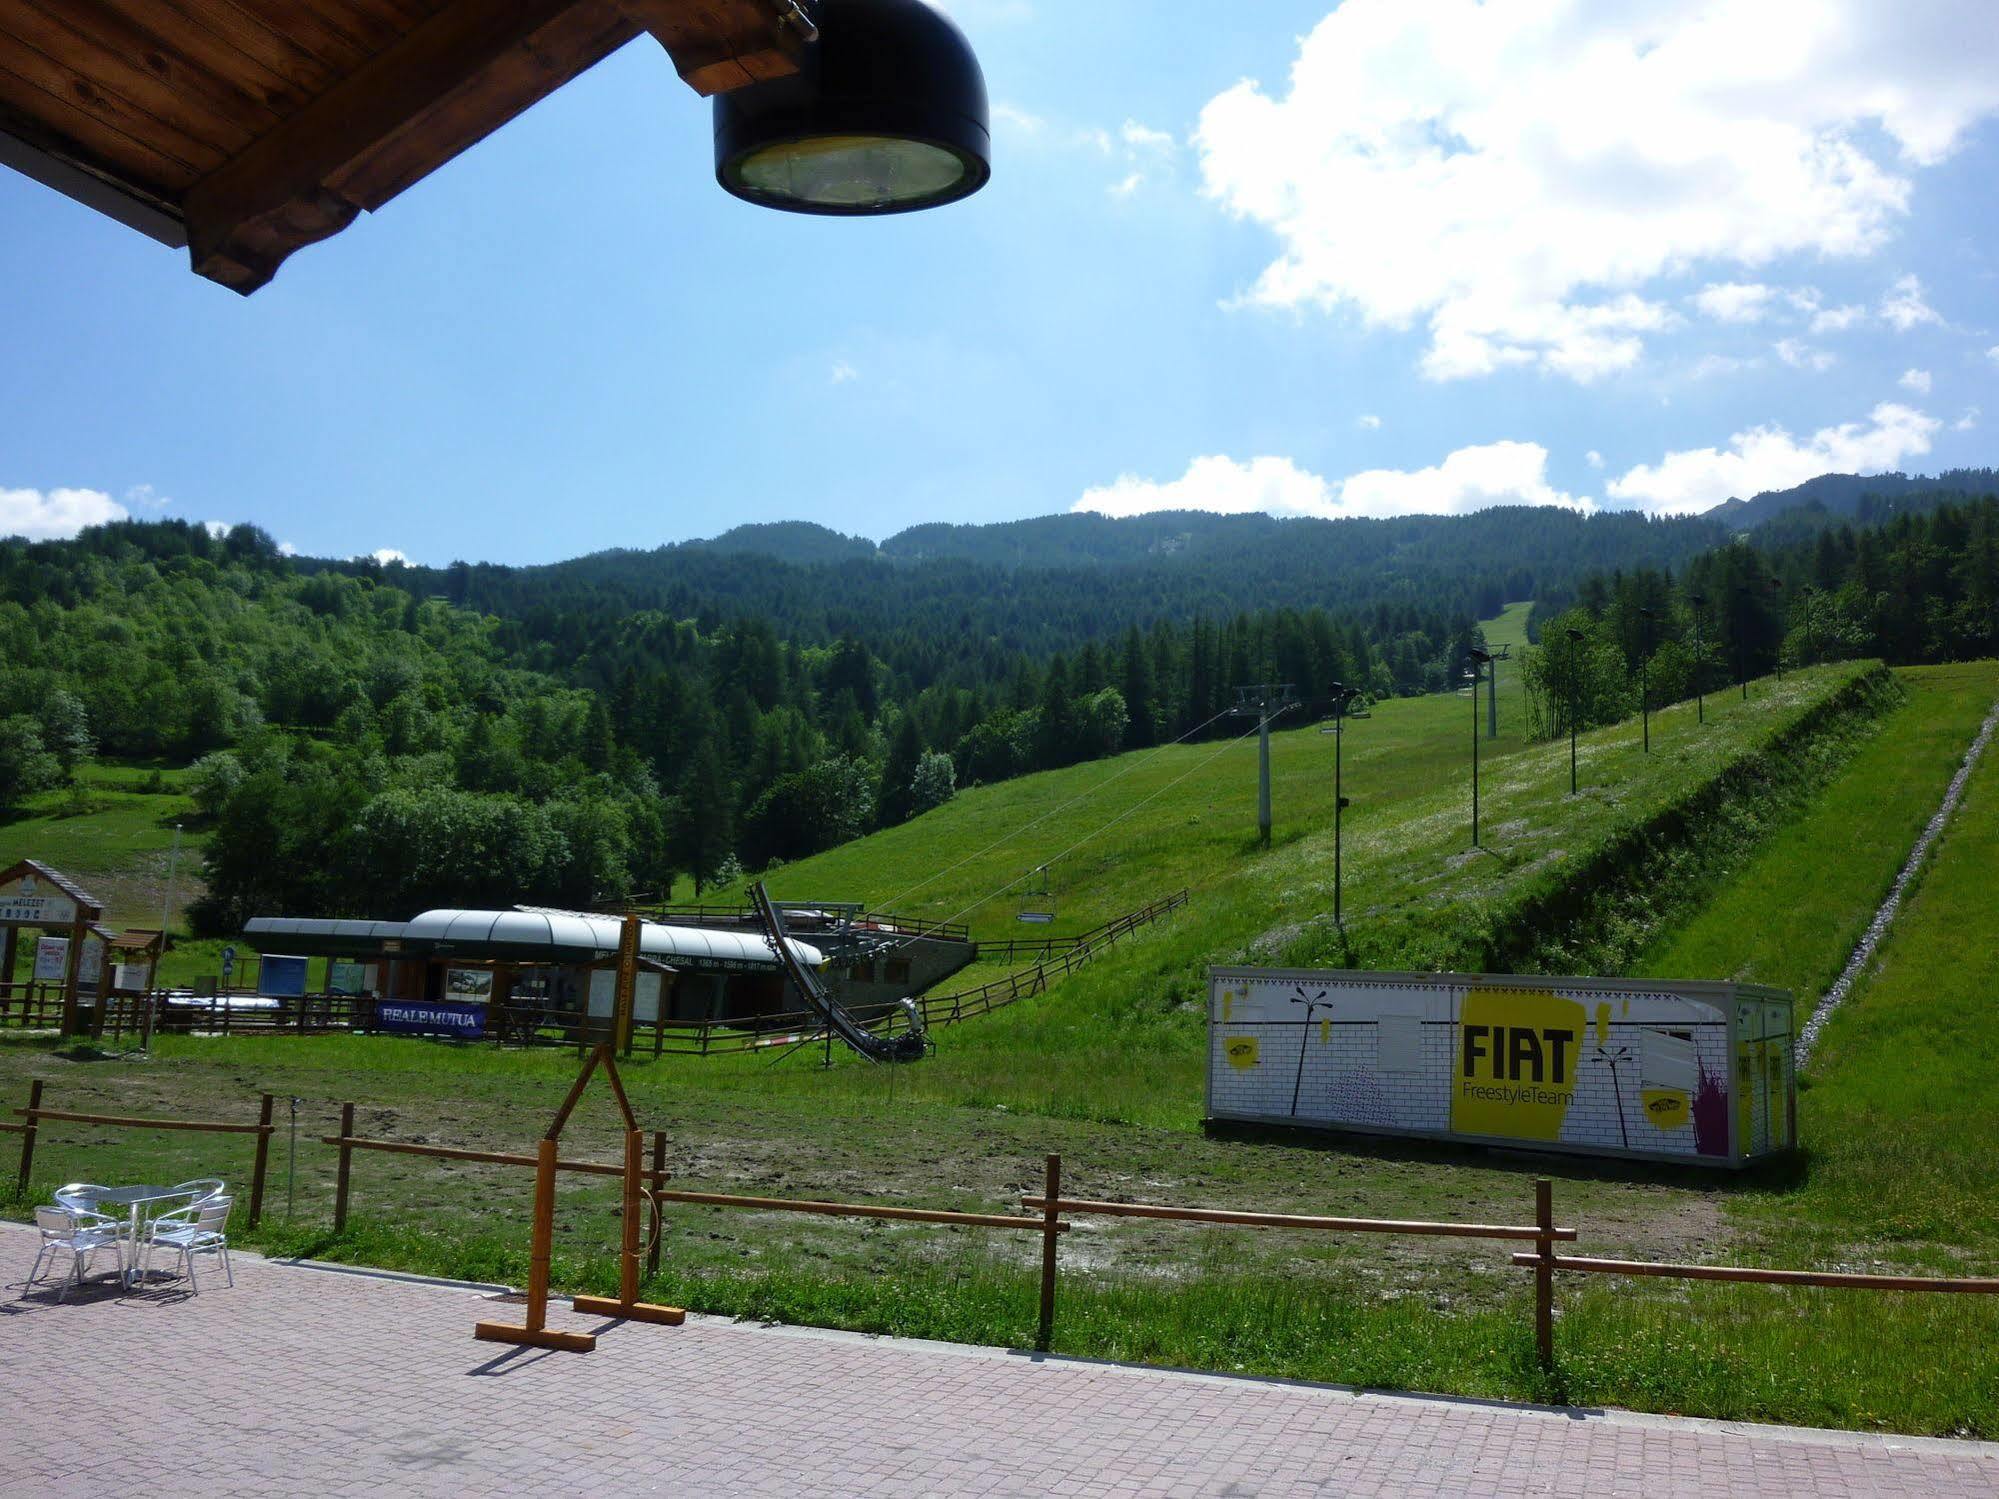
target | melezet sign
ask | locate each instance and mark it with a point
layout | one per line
(28, 901)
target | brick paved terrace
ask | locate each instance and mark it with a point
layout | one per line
(305, 1381)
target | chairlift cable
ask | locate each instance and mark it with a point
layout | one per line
(1099, 832)
(1085, 795)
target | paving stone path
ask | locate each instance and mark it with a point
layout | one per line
(308, 1382)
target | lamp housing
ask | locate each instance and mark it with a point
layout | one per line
(887, 114)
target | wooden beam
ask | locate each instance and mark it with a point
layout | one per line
(450, 82)
(719, 45)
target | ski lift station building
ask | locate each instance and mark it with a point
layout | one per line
(717, 968)
(1690, 1072)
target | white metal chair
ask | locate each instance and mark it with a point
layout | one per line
(80, 1197)
(196, 1229)
(82, 1233)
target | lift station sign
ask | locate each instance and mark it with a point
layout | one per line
(1693, 1072)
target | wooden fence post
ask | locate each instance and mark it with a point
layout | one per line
(263, 1160)
(541, 1242)
(1051, 1214)
(28, 1134)
(346, 1164)
(659, 1218)
(1544, 1274)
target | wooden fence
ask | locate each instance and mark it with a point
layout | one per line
(949, 1009)
(1017, 949)
(1048, 1214)
(34, 1115)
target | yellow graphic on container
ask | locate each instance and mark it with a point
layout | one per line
(1241, 1052)
(1602, 1024)
(1667, 1108)
(1518, 1054)
(1326, 1032)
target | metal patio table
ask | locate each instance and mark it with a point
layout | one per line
(136, 1200)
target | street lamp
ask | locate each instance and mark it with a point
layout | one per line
(1343, 699)
(1479, 661)
(1699, 601)
(1576, 638)
(886, 114)
(1645, 677)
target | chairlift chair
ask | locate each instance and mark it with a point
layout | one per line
(1038, 905)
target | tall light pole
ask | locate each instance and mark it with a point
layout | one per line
(1645, 677)
(1343, 698)
(1699, 601)
(1576, 638)
(1480, 660)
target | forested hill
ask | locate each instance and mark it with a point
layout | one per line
(373, 740)
(1041, 586)
(1863, 500)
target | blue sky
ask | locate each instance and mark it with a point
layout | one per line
(1381, 257)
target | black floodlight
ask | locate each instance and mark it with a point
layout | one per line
(887, 114)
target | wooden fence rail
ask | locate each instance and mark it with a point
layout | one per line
(34, 1115)
(1746, 1275)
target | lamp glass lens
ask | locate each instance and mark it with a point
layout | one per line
(852, 171)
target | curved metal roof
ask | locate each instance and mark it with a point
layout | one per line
(539, 932)
(529, 935)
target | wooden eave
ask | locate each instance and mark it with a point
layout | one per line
(245, 130)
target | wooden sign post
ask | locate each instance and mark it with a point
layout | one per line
(535, 1333)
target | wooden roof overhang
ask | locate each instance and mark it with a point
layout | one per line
(245, 130)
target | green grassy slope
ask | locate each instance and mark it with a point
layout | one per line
(112, 833)
(1902, 1111)
(1121, 1039)
(1792, 914)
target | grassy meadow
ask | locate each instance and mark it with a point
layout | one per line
(1756, 846)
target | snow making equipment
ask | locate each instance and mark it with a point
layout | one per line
(1693, 1072)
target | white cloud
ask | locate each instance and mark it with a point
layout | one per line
(145, 497)
(286, 549)
(1903, 307)
(1513, 177)
(217, 528)
(1993, 353)
(388, 556)
(1801, 356)
(55, 514)
(1370, 422)
(1735, 301)
(1593, 458)
(1769, 457)
(1842, 319)
(1916, 380)
(1013, 117)
(1145, 138)
(843, 372)
(1474, 478)
(1125, 186)
(1968, 421)
(1711, 365)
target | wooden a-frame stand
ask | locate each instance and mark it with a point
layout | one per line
(536, 1333)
